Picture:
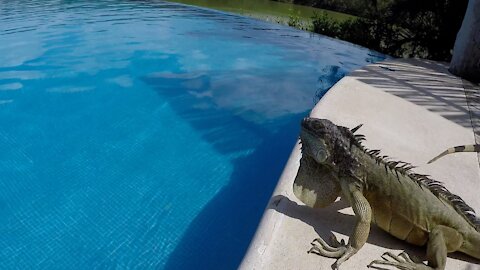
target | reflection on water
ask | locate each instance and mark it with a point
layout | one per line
(145, 134)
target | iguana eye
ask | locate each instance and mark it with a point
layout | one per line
(317, 126)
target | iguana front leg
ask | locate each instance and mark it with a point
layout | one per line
(442, 240)
(352, 192)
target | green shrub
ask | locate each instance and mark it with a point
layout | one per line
(406, 28)
(325, 25)
(294, 20)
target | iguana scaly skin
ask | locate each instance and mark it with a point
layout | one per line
(409, 206)
(458, 149)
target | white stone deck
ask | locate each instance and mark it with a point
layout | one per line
(412, 110)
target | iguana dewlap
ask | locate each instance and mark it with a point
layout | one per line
(409, 206)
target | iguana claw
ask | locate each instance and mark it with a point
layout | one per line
(401, 261)
(338, 250)
(320, 247)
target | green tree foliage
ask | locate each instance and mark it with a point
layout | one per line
(402, 28)
(354, 7)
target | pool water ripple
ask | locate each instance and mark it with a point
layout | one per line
(147, 134)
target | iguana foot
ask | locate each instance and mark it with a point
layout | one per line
(401, 261)
(320, 247)
(338, 250)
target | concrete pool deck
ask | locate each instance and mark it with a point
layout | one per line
(412, 110)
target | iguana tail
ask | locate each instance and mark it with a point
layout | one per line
(456, 149)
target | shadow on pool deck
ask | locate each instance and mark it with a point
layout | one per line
(334, 221)
(442, 92)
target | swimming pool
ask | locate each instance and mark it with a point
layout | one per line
(146, 134)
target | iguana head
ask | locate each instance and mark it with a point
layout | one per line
(317, 136)
(329, 144)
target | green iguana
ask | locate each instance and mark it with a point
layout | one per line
(407, 205)
(457, 149)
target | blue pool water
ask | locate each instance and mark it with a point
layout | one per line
(146, 134)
